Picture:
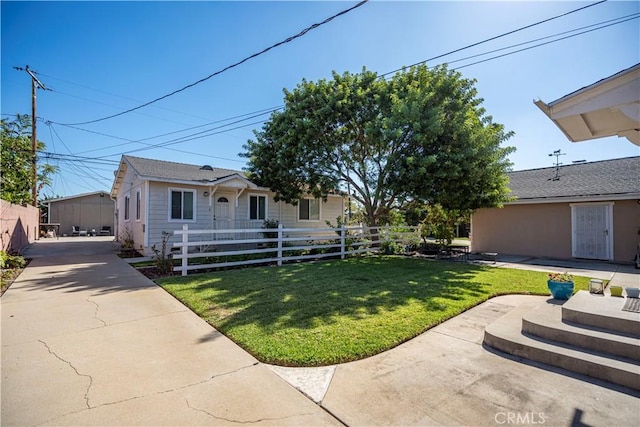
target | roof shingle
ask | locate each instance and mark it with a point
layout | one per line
(601, 178)
(163, 170)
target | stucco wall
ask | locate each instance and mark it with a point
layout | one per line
(626, 229)
(19, 225)
(534, 230)
(544, 230)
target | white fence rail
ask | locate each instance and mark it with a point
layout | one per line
(208, 249)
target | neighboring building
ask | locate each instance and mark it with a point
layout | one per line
(608, 107)
(153, 196)
(589, 210)
(88, 211)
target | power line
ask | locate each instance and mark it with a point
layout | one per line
(113, 106)
(620, 19)
(112, 94)
(545, 43)
(495, 37)
(383, 75)
(252, 114)
(209, 132)
(287, 40)
(133, 141)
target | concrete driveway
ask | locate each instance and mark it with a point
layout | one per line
(87, 340)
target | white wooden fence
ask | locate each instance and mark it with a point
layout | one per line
(207, 249)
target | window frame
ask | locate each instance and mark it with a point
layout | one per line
(266, 206)
(138, 205)
(182, 191)
(319, 201)
(127, 207)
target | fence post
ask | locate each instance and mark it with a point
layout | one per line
(342, 241)
(279, 244)
(185, 248)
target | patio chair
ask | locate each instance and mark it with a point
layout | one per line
(106, 230)
(75, 230)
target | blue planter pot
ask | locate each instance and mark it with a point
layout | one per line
(560, 290)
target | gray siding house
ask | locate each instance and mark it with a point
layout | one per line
(153, 196)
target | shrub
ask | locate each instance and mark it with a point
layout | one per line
(162, 259)
(270, 224)
(390, 247)
(8, 261)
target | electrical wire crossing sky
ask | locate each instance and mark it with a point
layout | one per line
(127, 77)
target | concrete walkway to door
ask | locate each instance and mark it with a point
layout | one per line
(87, 340)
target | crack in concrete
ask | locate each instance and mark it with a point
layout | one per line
(239, 421)
(177, 388)
(95, 313)
(134, 397)
(86, 394)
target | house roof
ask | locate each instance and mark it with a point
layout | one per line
(164, 171)
(77, 196)
(602, 180)
(610, 106)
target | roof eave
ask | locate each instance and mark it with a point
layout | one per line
(576, 199)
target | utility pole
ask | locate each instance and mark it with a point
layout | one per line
(35, 84)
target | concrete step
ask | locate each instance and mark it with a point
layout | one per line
(545, 321)
(505, 334)
(601, 311)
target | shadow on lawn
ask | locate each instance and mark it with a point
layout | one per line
(310, 294)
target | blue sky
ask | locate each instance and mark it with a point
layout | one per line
(101, 58)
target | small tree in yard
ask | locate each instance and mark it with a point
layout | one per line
(440, 224)
(16, 157)
(420, 135)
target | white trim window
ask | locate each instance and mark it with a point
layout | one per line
(138, 205)
(182, 205)
(127, 203)
(257, 207)
(309, 210)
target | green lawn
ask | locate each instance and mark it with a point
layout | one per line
(321, 313)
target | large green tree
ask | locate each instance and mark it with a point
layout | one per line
(16, 161)
(421, 135)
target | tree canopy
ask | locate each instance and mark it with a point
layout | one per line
(421, 135)
(16, 161)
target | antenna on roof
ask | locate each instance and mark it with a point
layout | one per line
(578, 161)
(557, 164)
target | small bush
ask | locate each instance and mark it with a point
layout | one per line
(8, 261)
(390, 247)
(270, 224)
(162, 259)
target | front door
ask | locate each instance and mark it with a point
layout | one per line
(592, 231)
(222, 214)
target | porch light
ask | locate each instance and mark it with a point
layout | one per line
(595, 286)
(205, 194)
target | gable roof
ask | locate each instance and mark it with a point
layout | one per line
(76, 196)
(615, 179)
(164, 171)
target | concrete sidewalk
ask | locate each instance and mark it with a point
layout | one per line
(87, 340)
